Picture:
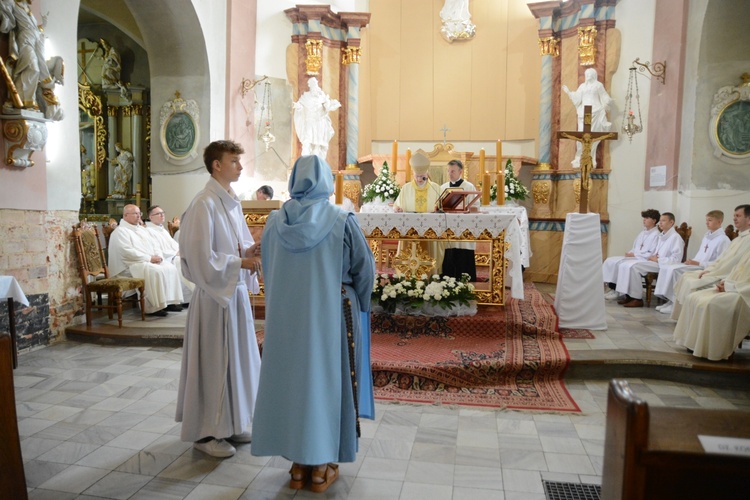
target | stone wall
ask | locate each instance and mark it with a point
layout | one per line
(37, 250)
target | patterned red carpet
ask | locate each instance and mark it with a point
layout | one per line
(504, 357)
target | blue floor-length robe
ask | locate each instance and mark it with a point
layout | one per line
(305, 406)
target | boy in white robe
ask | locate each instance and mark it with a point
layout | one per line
(133, 253)
(712, 246)
(220, 358)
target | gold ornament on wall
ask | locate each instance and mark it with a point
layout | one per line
(314, 59)
(350, 55)
(549, 46)
(586, 47)
(541, 190)
(412, 260)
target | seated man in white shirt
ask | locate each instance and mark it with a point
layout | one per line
(718, 269)
(459, 255)
(714, 321)
(643, 247)
(133, 252)
(169, 247)
(712, 245)
(669, 250)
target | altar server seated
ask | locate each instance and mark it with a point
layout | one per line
(643, 247)
(714, 321)
(721, 267)
(713, 244)
(670, 248)
(169, 247)
(132, 252)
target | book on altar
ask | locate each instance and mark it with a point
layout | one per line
(457, 200)
(260, 206)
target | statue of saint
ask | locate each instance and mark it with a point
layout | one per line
(88, 170)
(124, 164)
(112, 65)
(456, 20)
(311, 121)
(592, 93)
(27, 66)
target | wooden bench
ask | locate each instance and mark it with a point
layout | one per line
(12, 477)
(654, 452)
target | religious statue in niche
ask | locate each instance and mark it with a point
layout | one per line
(311, 121)
(124, 164)
(590, 93)
(88, 173)
(30, 77)
(456, 20)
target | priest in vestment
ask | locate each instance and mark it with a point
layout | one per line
(716, 320)
(133, 253)
(670, 248)
(721, 267)
(169, 247)
(316, 265)
(220, 356)
(713, 244)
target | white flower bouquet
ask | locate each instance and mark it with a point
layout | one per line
(433, 296)
(514, 190)
(383, 188)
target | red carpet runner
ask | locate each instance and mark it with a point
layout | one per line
(504, 357)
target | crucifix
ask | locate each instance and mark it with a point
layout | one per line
(445, 131)
(587, 138)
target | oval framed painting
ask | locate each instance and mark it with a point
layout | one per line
(180, 132)
(729, 126)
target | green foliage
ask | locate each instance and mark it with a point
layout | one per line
(383, 188)
(514, 190)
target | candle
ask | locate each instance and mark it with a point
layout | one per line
(500, 180)
(499, 156)
(481, 160)
(339, 187)
(394, 158)
(407, 177)
(486, 189)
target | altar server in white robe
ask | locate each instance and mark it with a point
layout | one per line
(714, 321)
(133, 252)
(220, 357)
(458, 256)
(714, 242)
(169, 247)
(669, 250)
(643, 247)
(721, 267)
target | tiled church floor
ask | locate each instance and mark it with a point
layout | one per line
(98, 422)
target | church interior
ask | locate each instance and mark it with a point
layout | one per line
(150, 83)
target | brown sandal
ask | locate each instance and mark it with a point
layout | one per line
(300, 474)
(328, 477)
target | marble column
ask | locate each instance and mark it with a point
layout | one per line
(136, 120)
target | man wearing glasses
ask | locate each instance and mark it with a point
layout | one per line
(134, 253)
(169, 247)
(421, 194)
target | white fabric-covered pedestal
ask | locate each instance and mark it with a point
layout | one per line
(579, 300)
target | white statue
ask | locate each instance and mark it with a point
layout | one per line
(311, 120)
(26, 63)
(456, 20)
(111, 69)
(124, 164)
(590, 93)
(88, 171)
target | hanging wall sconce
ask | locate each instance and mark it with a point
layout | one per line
(658, 70)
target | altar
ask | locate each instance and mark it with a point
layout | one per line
(501, 230)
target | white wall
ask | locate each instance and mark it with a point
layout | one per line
(635, 20)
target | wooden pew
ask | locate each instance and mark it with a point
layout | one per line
(12, 477)
(654, 452)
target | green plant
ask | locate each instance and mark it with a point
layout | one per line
(383, 188)
(514, 190)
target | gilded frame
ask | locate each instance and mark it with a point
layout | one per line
(730, 115)
(91, 104)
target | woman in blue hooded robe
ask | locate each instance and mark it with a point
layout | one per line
(315, 258)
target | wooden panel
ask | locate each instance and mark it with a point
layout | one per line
(489, 70)
(12, 478)
(385, 68)
(568, 117)
(524, 74)
(417, 71)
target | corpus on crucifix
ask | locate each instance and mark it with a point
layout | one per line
(587, 138)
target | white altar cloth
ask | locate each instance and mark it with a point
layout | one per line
(579, 299)
(523, 222)
(494, 224)
(9, 288)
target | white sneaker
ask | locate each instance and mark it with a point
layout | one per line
(244, 437)
(611, 295)
(216, 448)
(658, 308)
(667, 308)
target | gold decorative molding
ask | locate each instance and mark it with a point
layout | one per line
(549, 46)
(543, 166)
(127, 111)
(350, 55)
(541, 191)
(137, 109)
(412, 260)
(112, 111)
(586, 47)
(314, 59)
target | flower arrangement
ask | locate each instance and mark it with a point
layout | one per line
(383, 188)
(514, 190)
(430, 296)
